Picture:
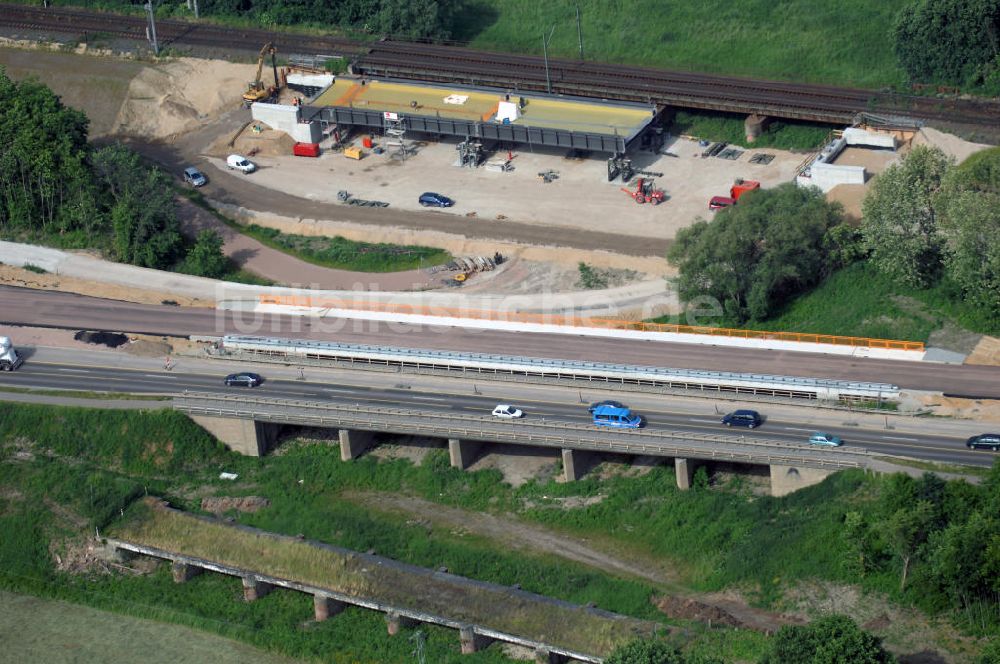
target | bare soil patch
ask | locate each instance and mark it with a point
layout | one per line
(221, 504)
(987, 351)
(15, 276)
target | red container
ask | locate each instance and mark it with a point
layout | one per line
(741, 187)
(367, 142)
(306, 150)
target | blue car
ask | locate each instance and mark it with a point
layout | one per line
(430, 199)
(820, 438)
(750, 419)
(622, 418)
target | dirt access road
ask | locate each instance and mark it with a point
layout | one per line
(186, 149)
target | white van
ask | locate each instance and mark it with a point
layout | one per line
(240, 163)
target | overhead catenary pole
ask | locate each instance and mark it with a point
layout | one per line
(579, 30)
(152, 27)
(545, 54)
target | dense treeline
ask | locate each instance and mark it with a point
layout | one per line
(57, 189)
(927, 221)
(956, 42)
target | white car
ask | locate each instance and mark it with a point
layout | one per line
(240, 163)
(507, 412)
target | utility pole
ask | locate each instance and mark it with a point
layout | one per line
(579, 31)
(545, 54)
(152, 27)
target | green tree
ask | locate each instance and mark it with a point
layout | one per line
(969, 205)
(831, 640)
(906, 530)
(140, 199)
(45, 184)
(900, 218)
(205, 258)
(948, 41)
(753, 257)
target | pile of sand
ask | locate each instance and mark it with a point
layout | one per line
(987, 410)
(267, 142)
(987, 351)
(174, 97)
(951, 145)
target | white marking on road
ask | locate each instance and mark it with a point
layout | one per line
(795, 429)
(163, 375)
(909, 440)
(691, 419)
(431, 398)
(348, 390)
(72, 370)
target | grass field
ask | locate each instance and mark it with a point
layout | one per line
(858, 301)
(39, 630)
(844, 43)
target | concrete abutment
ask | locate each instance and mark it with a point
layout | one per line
(754, 126)
(184, 572)
(787, 479)
(395, 622)
(470, 641)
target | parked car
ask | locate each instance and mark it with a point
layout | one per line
(820, 438)
(194, 177)
(750, 419)
(720, 202)
(507, 412)
(622, 418)
(245, 379)
(614, 404)
(237, 162)
(984, 441)
(430, 199)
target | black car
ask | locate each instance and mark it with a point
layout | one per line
(245, 379)
(614, 404)
(984, 441)
(430, 199)
(750, 419)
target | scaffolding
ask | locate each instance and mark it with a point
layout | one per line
(470, 153)
(395, 132)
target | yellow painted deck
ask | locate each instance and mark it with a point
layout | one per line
(481, 106)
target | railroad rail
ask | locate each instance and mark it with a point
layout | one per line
(457, 65)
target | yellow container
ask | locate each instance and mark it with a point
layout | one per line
(352, 153)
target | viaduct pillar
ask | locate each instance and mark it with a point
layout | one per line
(470, 641)
(324, 607)
(755, 125)
(463, 453)
(575, 464)
(353, 442)
(248, 437)
(253, 589)
(684, 470)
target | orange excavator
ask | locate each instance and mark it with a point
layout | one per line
(256, 90)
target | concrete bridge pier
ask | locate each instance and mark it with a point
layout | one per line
(324, 607)
(247, 437)
(463, 452)
(253, 589)
(543, 656)
(576, 463)
(183, 572)
(471, 641)
(754, 126)
(786, 479)
(353, 442)
(394, 622)
(684, 470)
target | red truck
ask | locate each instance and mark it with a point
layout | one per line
(741, 187)
(306, 149)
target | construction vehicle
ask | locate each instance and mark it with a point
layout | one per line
(9, 359)
(256, 90)
(741, 187)
(645, 192)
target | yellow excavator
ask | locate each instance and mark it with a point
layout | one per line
(256, 90)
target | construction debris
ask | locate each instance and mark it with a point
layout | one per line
(548, 176)
(345, 197)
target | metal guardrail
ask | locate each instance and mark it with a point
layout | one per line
(510, 367)
(544, 433)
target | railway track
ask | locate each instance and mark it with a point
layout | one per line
(452, 64)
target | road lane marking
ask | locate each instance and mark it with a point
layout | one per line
(797, 429)
(691, 419)
(65, 370)
(909, 440)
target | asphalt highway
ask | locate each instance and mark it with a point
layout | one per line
(38, 374)
(22, 306)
